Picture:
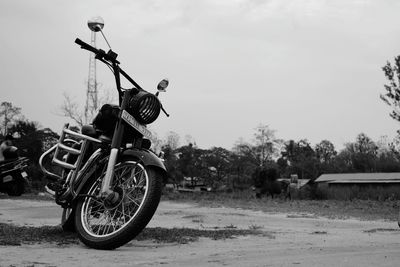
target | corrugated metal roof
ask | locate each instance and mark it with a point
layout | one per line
(392, 177)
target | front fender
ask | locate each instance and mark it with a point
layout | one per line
(147, 158)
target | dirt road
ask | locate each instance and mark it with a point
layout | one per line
(288, 240)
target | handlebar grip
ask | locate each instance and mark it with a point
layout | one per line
(86, 46)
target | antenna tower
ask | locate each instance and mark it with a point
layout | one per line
(91, 93)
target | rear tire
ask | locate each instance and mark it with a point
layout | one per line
(68, 220)
(16, 188)
(108, 226)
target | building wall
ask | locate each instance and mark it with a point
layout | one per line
(348, 191)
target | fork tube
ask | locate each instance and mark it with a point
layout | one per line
(106, 184)
(115, 145)
(117, 139)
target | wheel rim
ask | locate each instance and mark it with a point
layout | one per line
(131, 181)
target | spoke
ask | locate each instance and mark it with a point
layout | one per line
(129, 210)
(132, 177)
(103, 220)
(116, 179)
(114, 217)
(112, 224)
(103, 228)
(135, 195)
(133, 201)
(117, 217)
(124, 170)
(131, 191)
(123, 212)
(108, 223)
(98, 228)
(96, 206)
(141, 180)
(138, 174)
(96, 203)
(120, 213)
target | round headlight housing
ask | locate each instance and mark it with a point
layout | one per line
(145, 107)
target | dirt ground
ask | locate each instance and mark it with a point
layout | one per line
(288, 240)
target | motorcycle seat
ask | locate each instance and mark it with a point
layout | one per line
(89, 130)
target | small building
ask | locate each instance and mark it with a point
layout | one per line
(193, 184)
(360, 185)
(378, 178)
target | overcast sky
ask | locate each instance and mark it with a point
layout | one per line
(308, 69)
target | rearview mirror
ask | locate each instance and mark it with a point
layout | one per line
(162, 85)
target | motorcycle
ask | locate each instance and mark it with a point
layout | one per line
(13, 177)
(110, 180)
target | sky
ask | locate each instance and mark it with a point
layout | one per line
(308, 69)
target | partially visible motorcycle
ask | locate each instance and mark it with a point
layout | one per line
(13, 177)
(109, 181)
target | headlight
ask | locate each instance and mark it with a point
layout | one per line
(145, 107)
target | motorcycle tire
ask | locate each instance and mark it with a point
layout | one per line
(68, 220)
(104, 225)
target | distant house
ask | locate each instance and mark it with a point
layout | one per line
(192, 184)
(383, 179)
(360, 185)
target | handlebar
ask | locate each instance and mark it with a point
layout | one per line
(86, 46)
(111, 56)
(100, 54)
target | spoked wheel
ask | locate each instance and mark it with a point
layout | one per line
(108, 224)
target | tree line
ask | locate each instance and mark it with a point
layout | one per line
(228, 168)
(233, 168)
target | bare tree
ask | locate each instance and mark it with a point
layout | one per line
(73, 110)
(190, 140)
(156, 142)
(265, 146)
(172, 140)
(7, 113)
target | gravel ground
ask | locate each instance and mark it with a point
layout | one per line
(287, 239)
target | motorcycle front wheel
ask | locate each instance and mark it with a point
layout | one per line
(104, 225)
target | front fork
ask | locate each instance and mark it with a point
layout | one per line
(107, 181)
(106, 191)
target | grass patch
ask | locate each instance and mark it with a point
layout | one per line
(11, 235)
(319, 233)
(381, 230)
(186, 235)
